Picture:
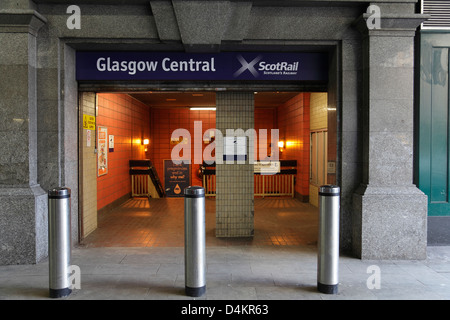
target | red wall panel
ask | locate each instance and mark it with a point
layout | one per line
(128, 120)
(293, 123)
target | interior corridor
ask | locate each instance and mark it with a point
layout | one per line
(142, 222)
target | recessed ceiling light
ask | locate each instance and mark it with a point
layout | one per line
(203, 109)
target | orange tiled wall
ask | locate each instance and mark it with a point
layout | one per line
(128, 120)
(293, 123)
(265, 118)
(165, 121)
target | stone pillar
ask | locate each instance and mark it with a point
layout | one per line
(23, 209)
(234, 181)
(390, 212)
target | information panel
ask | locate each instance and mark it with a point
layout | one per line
(176, 178)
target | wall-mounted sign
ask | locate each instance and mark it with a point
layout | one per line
(267, 167)
(111, 143)
(102, 151)
(176, 178)
(235, 148)
(88, 122)
(331, 167)
(305, 66)
(88, 138)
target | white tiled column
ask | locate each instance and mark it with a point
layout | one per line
(88, 168)
(234, 184)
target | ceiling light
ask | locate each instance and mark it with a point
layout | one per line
(203, 109)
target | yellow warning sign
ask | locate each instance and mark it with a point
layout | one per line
(88, 122)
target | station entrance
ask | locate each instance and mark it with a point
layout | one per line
(121, 209)
(250, 127)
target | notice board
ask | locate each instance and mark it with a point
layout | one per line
(176, 178)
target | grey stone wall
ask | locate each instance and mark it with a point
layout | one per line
(390, 212)
(38, 100)
(23, 216)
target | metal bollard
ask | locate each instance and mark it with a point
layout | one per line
(59, 243)
(194, 241)
(328, 244)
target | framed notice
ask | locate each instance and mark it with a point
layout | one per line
(111, 143)
(176, 178)
(102, 151)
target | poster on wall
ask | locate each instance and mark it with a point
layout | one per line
(176, 178)
(102, 151)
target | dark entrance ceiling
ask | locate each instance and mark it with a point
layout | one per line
(164, 99)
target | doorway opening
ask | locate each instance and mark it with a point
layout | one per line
(140, 126)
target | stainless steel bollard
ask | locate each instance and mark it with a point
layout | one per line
(328, 244)
(194, 241)
(59, 243)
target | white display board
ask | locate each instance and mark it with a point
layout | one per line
(235, 148)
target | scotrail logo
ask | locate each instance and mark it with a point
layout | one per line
(257, 65)
(250, 66)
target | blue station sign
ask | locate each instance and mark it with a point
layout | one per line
(195, 66)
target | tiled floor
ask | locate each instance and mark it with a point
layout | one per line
(140, 222)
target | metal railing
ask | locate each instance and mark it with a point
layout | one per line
(264, 185)
(209, 183)
(280, 184)
(144, 180)
(274, 185)
(140, 185)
